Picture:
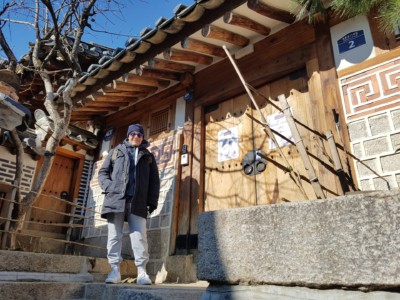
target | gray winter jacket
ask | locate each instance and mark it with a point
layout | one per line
(114, 176)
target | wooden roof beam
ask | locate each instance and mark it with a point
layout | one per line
(147, 81)
(187, 56)
(202, 47)
(131, 93)
(99, 97)
(270, 11)
(95, 109)
(163, 64)
(153, 73)
(109, 91)
(125, 86)
(214, 32)
(107, 104)
(244, 22)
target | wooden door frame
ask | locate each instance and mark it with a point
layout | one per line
(77, 173)
(80, 158)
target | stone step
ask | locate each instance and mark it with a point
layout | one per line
(29, 266)
(19, 261)
(98, 291)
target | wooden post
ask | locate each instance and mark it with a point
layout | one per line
(301, 148)
(336, 161)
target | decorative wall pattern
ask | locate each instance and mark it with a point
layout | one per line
(374, 90)
(371, 101)
(7, 170)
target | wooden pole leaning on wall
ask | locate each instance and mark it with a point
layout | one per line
(301, 148)
(264, 122)
(336, 161)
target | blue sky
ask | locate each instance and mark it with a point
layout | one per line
(135, 15)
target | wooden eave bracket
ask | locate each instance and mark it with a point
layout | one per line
(246, 23)
(187, 56)
(214, 32)
(271, 12)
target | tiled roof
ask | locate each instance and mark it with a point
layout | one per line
(162, 57)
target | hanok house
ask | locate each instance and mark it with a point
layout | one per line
(301, 111)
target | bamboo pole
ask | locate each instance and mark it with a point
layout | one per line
(301, 148)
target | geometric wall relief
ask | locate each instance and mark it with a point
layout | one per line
(372, 90)
(371, 102)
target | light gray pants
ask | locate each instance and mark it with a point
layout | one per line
(137, 234)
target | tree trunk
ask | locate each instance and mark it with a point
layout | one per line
(60, 127)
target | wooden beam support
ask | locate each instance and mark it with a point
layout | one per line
(163, 64)
(125, 86)
(270, 11)
(107, 104)
(99, 97)
(187, 56)
(244, 22)
(131, 94)
(110, 92)
(147, 81)
(95, 109)
(214, 32)
(152, 73)
(158, 99)
(202, 47)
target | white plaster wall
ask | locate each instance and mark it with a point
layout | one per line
(180, 113)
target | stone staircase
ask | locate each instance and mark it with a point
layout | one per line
(37, 276)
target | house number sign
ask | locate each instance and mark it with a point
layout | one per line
(351, 40)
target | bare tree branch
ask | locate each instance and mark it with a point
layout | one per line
(3, 42)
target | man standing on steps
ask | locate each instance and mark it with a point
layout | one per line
(130, 180)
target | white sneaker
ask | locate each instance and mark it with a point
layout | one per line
(143, 279)
(114, 276)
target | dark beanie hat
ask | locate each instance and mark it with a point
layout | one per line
(135, 127)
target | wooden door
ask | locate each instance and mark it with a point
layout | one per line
(226, 185)
(50, 208)
(228, 136)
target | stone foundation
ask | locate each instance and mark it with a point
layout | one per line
(350, 241)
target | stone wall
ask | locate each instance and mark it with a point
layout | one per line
(371, 100)
(350, 241)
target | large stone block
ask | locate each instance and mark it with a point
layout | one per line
(358, 130)
(18, 261)
(376, 146)
(348, 241)
(379, 124)
(180, 268)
